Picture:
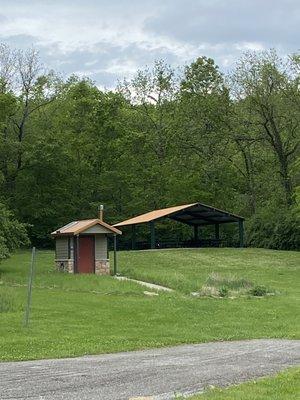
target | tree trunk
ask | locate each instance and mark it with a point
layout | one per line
(282, 156)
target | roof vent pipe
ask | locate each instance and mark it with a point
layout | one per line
(101, 208)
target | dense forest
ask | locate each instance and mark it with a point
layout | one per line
(165, 137)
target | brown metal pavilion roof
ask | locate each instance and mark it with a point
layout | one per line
(191, 214)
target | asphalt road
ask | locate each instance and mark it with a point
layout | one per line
(158, 373)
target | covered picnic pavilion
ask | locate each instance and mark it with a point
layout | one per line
(195, 215)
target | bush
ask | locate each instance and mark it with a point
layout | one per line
(223, 291)
(275, 229)
(12, 233)
(258, 291)
(4, 252)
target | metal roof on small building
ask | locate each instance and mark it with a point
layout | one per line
(76, 227)
(191, 214)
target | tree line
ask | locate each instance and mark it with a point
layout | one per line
(164, 137)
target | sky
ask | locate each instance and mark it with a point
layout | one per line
(110, 40)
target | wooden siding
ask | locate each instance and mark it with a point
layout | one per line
(62, 248)
(100, 247)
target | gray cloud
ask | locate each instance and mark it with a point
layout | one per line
(215, 22)
(105, 63)
(2, 18)
(110, 40)
(20, 41)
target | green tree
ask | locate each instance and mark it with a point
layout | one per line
(201, 132)
(24, 88)
(269, 87)
(147, 140)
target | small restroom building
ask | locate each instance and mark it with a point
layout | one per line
(82, 246)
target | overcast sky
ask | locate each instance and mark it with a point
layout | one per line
(107, 40)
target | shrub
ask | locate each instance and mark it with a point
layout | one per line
(258, 291)
(277, 228)
(223, 291)
(12, 233)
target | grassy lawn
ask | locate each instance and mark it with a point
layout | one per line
(88, 314)
(284, 386)
(187, 269)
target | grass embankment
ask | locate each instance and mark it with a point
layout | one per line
(80, 314)
(284, 386)
(187, 270)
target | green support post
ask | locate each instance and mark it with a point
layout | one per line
(107, 247)
(196, 233)
(217, 231)
(241, 233)
(115, 254)
(133, 237)
(152, 235)
(77, 255)
(217, 234)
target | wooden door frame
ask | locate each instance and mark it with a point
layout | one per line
(76, 252)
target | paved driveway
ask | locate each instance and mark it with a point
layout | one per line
(158, 373)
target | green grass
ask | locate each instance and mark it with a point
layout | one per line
(87, 314)
(284, 386)
(186, 270)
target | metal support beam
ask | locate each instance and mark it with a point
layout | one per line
(241, 233)
(133, 237)
(76, 266)
(196, 233)
(198, 215)
(152, 235)
(115, 254)
(217, 234)
(217, 231)
(107, 247)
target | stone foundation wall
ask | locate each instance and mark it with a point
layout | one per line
(65, 265)
(102, 267)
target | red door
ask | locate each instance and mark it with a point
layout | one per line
(86, 258)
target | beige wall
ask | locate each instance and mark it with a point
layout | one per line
(61, 248)
(100, 247)
(62, 252)
(97, 229)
